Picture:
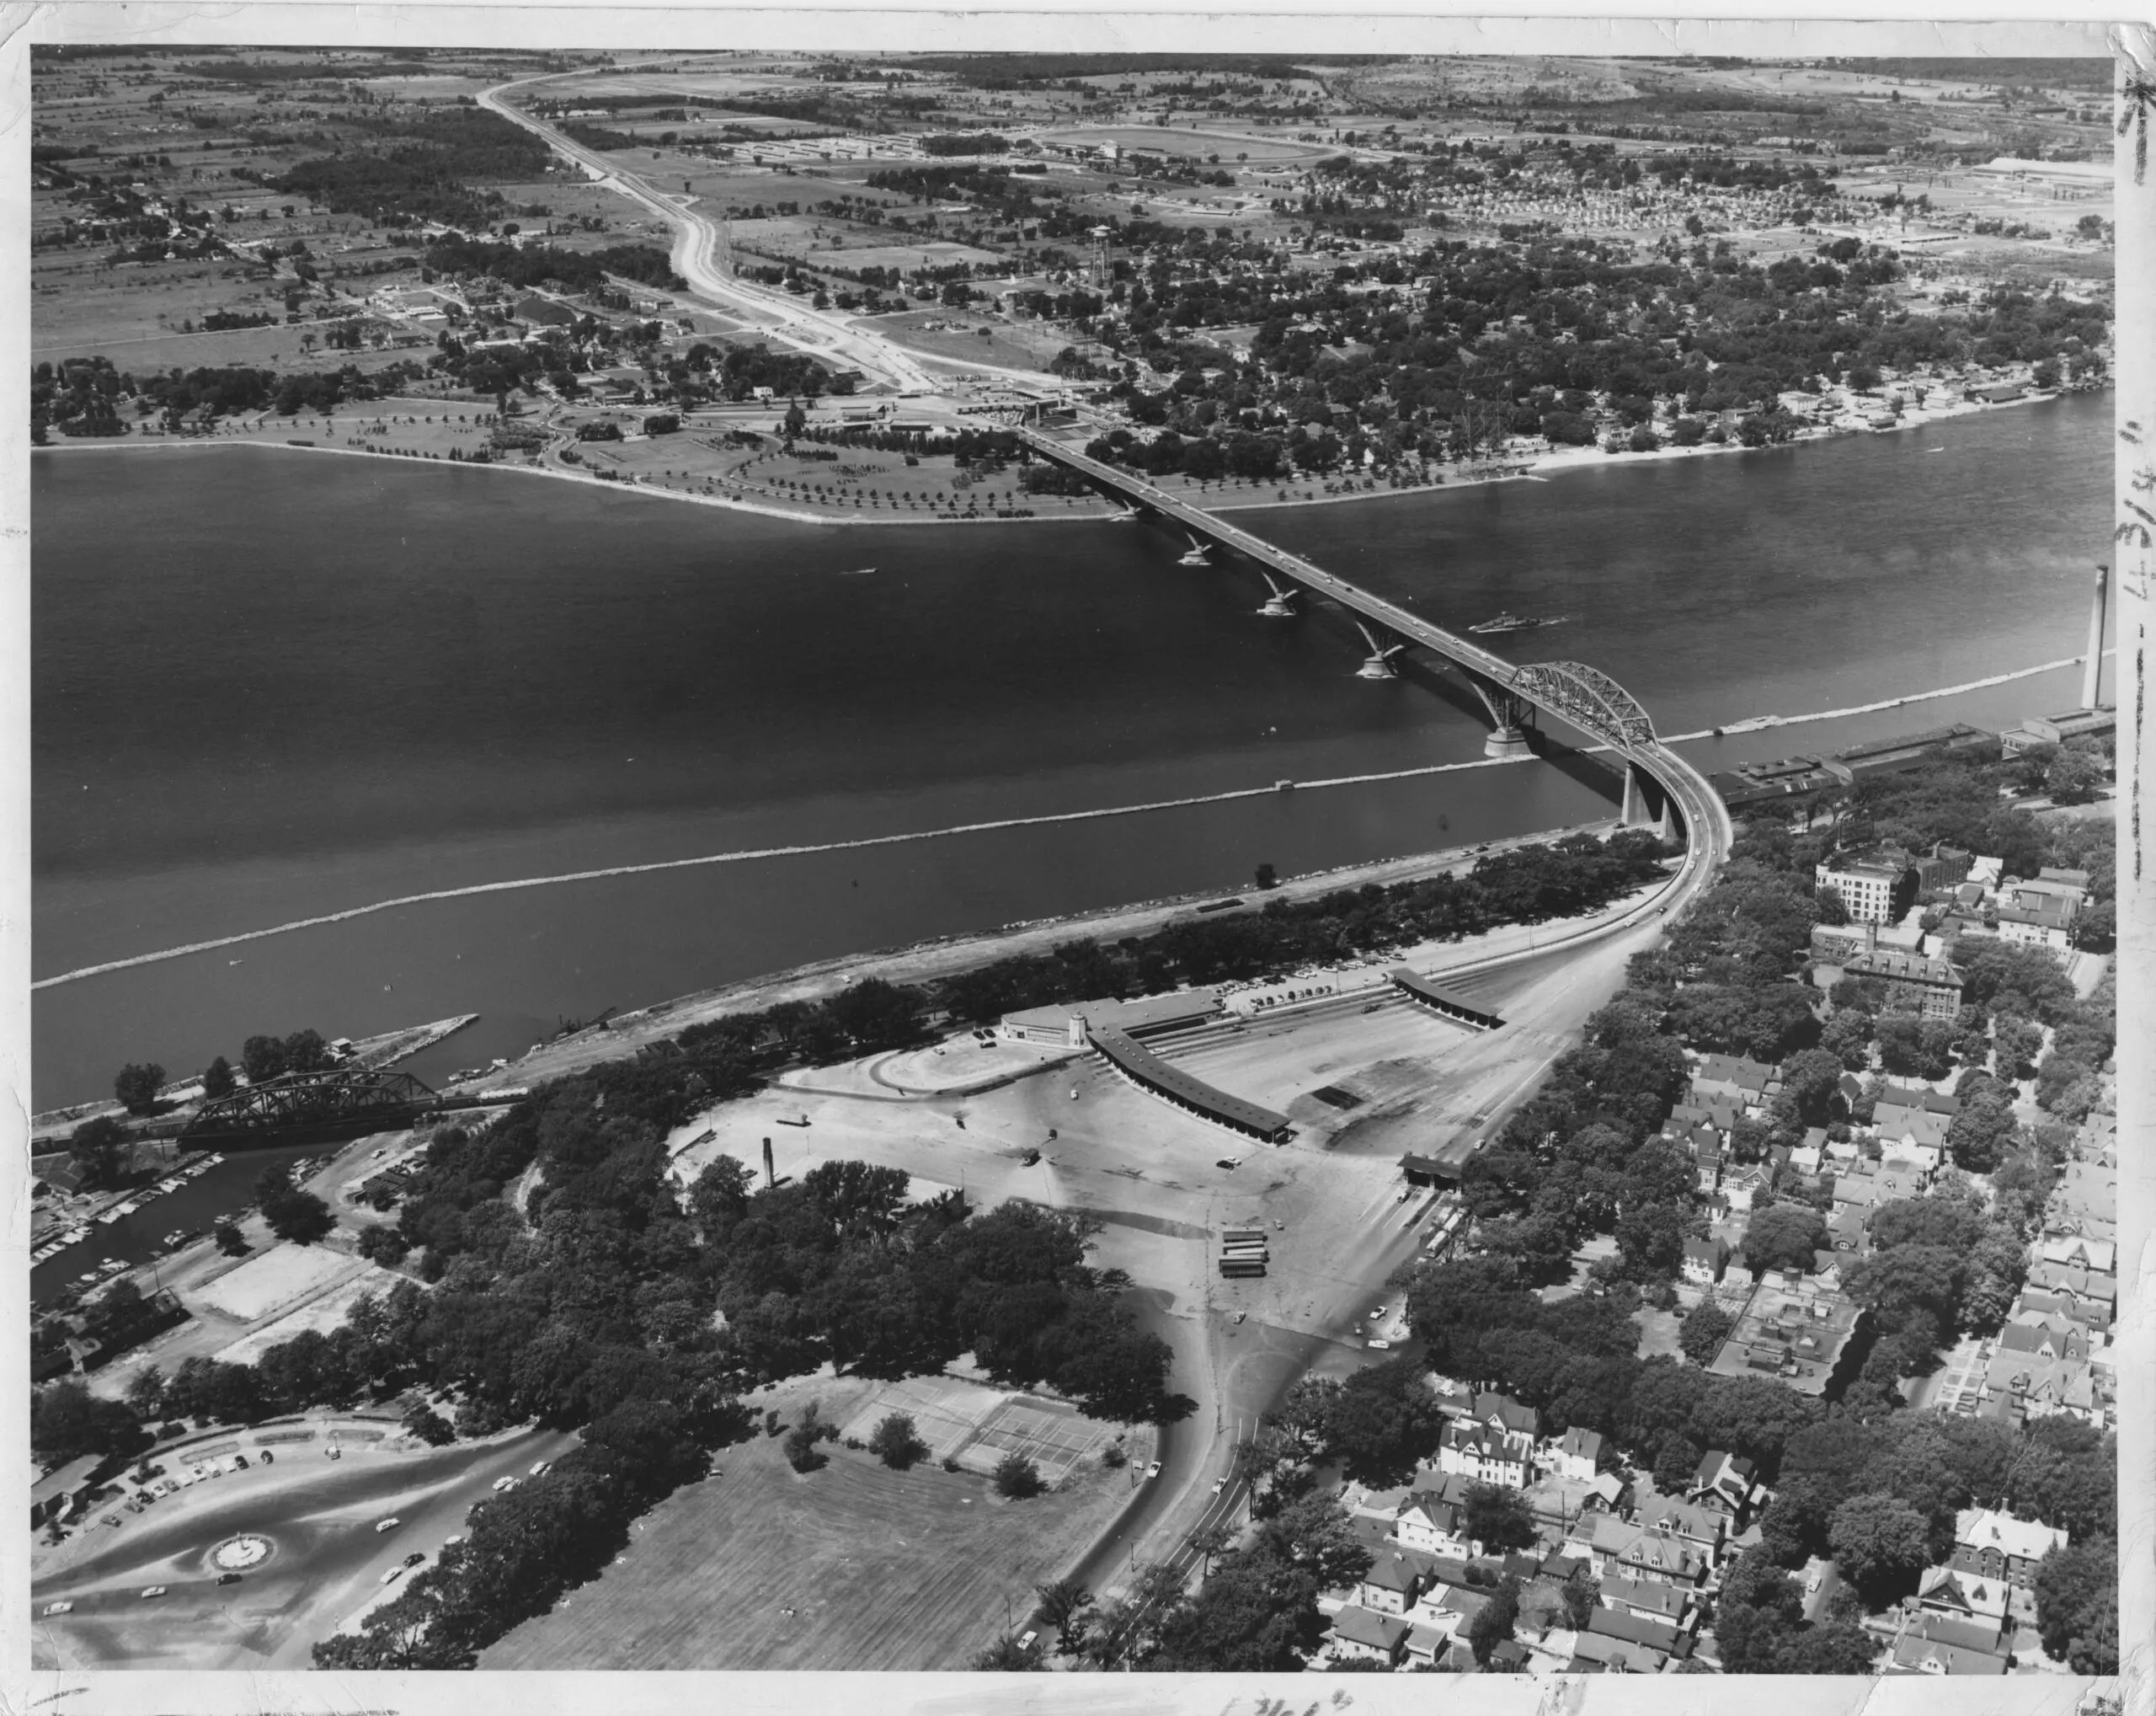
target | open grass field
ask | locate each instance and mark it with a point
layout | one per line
(852, 1566)
(1009, 345)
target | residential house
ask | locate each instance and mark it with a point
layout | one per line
(1393, 1582)
(1644, 1630)
(2042, 1302)
(1503, 1412)
(1650, 1599)
(1703, 1261)
(1921, 1096)
(2037, 1387)
(1908, 1128)
(2095, 1291)
(1748, 1186)
(1933, 1643)
(1576, 1454)
(1671, 1560)
(1728, 1484)
(1432, 1526)
(1973, 1597)
(2077, 1251)
(2043, 1336)
(1595, 1652)
(2084, 1203)
(1475, 1449)
(2001, 1546)
(2039, 914)
(1700, 1528)
(1359, 1634)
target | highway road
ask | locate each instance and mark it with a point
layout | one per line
(699, 253)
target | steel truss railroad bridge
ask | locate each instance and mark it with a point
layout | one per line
(306, 1108)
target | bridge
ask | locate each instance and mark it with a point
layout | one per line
(308, 1108)
(1662, 789)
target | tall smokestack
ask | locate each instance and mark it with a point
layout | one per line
(2092, 674)
(771, 1173)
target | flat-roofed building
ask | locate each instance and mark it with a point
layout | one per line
(1875, 887)
(1072, 1024)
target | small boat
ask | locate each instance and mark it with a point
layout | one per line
(858, 572)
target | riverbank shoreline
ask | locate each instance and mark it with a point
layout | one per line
(624, 1033)
(1538, 467)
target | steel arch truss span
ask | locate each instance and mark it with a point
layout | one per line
(310, 1100)
(1588, 698)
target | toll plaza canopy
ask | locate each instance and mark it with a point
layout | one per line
(1419, 988)
(1145, 1068)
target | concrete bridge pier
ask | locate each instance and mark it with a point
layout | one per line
(1647, 805)
(1281, 604)
(1385, 646)
(1510, 717)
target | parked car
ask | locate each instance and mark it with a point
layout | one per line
(1025, 1639)
(540, 1466)
(457, 1538)
(1380, 1344)
(414, 1558)
(153, 1590)
(1153, 1470)
(60, 1608)
(388, 1525)
(268, 1458)
(239, 1462)
(392, 1575)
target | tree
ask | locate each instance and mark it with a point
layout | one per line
(98, 1150)
(1706, 1327)
(1848, 1036)
(1016, 1477)
(1493, 1623)
(297, 1215)
(217, 1079)
(429, 1426)
(383, 1244)
(262, 1058)
(1880, 1544)
(1064, 1606)
(230, 1240)
(2078, 1605)
(1813, 1080)
(1783, 1237)
(136, 1086)
(1977, 1136)
(68, 1421)
(895, 1443)
(1499, 1519)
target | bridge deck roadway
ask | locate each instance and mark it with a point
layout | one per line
(1706, 818)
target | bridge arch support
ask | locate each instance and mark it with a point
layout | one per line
(1648, 802)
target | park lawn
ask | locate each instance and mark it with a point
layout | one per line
(882, 1569)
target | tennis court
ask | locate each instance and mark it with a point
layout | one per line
(978, 1426)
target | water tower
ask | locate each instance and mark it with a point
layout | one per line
(1102, 268)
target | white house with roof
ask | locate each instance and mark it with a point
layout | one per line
(2002, 1547)
(1576, 1454)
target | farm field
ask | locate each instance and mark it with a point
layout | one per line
(851, 1567)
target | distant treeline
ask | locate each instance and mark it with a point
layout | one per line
(535, 264)
(421, 171)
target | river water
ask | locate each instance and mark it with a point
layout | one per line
(271, 685)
